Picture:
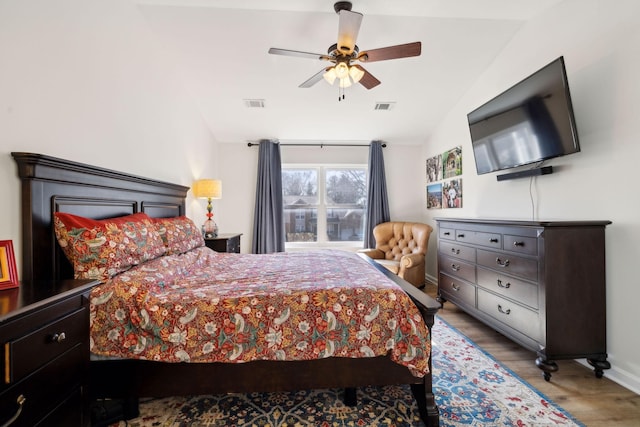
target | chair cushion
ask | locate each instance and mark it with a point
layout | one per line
(392, 266)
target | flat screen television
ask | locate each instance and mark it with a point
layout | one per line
(530, 122)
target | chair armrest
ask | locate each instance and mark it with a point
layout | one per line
(411, 260)
(372, 253)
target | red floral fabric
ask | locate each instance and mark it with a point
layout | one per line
(100, 249)
(204, 306)
(179, 234)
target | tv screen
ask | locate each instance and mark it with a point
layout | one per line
(528, 123)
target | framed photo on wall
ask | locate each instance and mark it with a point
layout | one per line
(434, 196)
(452, 162)
(452, 194)
(434, 168)
(8, 270)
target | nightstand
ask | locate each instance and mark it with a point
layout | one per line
(225, 242)
(44, 348)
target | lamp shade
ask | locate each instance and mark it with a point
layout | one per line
(207, 189)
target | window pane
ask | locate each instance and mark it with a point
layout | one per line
(301, 224)
(300, 187)
(346, 187)
(345, 225)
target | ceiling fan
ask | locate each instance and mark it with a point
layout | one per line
(345, 52)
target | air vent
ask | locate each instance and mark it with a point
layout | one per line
(384, 106)
(254, 103)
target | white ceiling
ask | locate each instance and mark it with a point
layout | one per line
(220, 50)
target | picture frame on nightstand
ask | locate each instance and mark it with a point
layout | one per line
(8, 270)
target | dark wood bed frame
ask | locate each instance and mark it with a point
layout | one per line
(50, 185)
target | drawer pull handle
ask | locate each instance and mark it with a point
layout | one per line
(507, 311)
(455, 251)
(494, 240)
(461, 236)
(501, 263)
(446, 233)
(59, 337)
(455, 267)
(20, 401)
(518, 244)
(455, 287)
(500, 285)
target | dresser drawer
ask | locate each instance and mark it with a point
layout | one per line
(458, 251)
(456, 290)
(45, 389)
(511, 314)
(480, 238)
(457, 268)
(521, 244)
(509, 287)
(27, 353)
(526, 268)
(447, 233)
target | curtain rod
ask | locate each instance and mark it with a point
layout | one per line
(321, 145)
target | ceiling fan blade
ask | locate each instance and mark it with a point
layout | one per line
(391, 52)
(348, 29)
(368, 81)
(313, 79)
(287, 52)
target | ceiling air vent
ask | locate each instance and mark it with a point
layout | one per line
(254, 103)
(384, 106)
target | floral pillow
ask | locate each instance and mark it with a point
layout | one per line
(100, 249)
(179, 234)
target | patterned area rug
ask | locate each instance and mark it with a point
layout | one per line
(472, 389)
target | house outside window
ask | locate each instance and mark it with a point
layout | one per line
(324, 205)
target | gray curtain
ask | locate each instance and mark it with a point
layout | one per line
(377, 200)
(268, 222)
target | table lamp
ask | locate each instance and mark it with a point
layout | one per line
(208, 189)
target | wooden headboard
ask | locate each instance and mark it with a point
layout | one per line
(53, 185)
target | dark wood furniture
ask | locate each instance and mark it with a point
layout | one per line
(541, 284)
(51, 184)
(44, 334)
(225, 242)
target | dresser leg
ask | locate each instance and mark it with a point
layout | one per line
(599, 366)
(547, 366)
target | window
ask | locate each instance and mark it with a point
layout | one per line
(324, 205)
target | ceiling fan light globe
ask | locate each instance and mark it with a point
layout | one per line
(345, 82)
(356, 74)
(342, 70)
(330, 75)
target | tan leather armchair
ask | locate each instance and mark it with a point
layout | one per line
(401, 248)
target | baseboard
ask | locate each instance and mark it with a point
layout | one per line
(430, 279)
(618, 376)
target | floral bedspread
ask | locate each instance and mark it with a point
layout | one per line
(204, 306)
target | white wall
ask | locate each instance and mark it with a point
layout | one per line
(83, 80)
(404, 170)
(599, 41)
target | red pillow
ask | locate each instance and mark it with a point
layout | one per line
(179, 234)
(100, 249)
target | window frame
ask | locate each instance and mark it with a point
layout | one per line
(322, 207)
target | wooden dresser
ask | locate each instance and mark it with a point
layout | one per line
(542, 284)
(44, 339)
(229, 242)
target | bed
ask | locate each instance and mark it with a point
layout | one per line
(52, 185)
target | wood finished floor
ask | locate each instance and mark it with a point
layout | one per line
(594, 402)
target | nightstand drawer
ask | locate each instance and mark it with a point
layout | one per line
(27, 353)
(44, 389)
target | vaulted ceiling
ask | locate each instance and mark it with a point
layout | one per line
(220, 51)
